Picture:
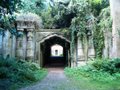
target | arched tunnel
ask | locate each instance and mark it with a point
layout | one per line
(55, 61)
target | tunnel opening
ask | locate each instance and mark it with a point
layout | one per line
(57, 55)
(55, 52)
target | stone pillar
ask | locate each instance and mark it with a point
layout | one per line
(13, 49)
(115, 12)
(25, 44)
(108, 44)
(91, 49)
(30, 45)
(7, 44)
(81, 56)
(1, 45)
(19, 46)
(74, 55)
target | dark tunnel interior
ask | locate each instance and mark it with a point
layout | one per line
(55, 61)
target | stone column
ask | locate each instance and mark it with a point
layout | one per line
(30, 45)
(8, 44)
(80, 50)
(25, 44)
(19, 46)
(91, 49)
(74, 55)
(13, 49)
(1, 45)
(108, 44)
(115, 12)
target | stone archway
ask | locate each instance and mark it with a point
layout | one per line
(32, 41)
(45, 53)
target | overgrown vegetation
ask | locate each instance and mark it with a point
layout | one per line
(33, 6)
(7, 17)
(100, 74)
(82, 18)
(18, 73)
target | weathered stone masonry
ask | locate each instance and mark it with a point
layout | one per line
(31, 39)
(29, 44)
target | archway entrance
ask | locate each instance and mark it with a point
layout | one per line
(55, 51)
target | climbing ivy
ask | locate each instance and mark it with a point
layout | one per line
(80, 25)
(98, 40)
(88, 23)
(104, 25)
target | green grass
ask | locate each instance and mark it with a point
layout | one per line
(93, 80)
(16, 74)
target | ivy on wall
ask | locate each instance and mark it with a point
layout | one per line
(82, 18)
(104, 25)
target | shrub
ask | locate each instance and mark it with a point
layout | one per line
(97, 64)
(111, 66)
(4, 72)
(20, 72)
(103, 70)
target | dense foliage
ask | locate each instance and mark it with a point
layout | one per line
(33, 6)
(17, 73)
(7, 18)
(104, 24)
(59, 14)
(108, 66)
(101, 66)
(97, 72)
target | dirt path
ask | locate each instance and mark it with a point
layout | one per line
(55, 80)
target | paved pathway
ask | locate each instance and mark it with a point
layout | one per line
(55, 80)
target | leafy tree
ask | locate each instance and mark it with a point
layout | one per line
(105, 20)
(7, 8)
(61, 13)
(65, 13)
(98, 5)
(33, 6)
(48, 19)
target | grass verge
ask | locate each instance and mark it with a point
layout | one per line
(84, 81)
(98, 75)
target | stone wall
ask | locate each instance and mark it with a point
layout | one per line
(80, 51)
(7, 44)
(115, 12)
(107, 51)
